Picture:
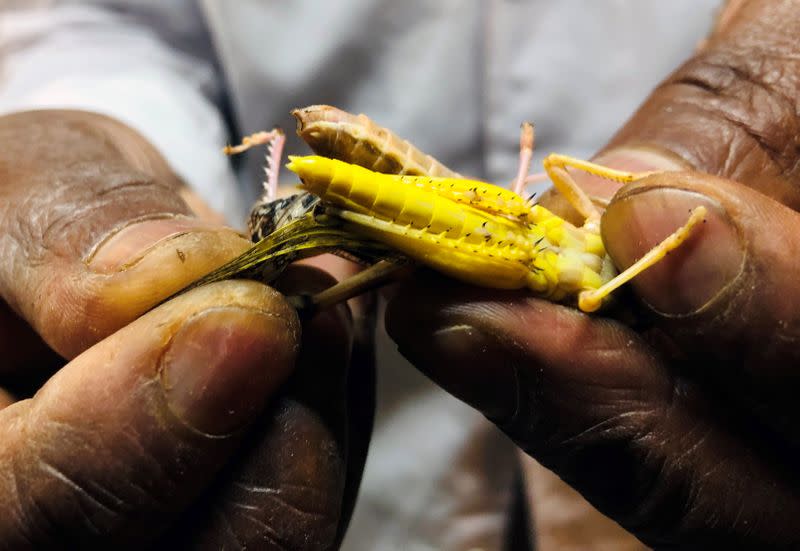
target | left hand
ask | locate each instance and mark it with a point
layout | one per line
(205, 422)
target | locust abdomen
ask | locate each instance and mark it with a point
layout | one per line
(460, 240)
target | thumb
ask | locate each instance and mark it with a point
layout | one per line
(124, 437)
(726, 297)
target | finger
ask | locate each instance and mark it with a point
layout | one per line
(729, 298)
(294, 481)
(361, 375)
(95, 231)
(125, 436)
(732, 109)
(589, 400)
(358, 370)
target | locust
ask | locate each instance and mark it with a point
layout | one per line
(371, 196)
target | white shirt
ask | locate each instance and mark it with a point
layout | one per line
(456, 77)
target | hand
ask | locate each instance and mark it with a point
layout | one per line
(190, 424)
(685, 432)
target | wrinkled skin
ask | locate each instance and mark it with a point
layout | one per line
(682, 427)
(215, 420)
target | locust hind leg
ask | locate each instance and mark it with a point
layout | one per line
(589, 301)
(556, 165)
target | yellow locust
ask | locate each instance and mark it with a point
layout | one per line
(470, 230)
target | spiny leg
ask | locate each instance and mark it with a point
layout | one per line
(275, 140)
(589, 301)
(381, 273)
(556, 165)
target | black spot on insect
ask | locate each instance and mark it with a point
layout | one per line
(487, 237)
(470, 233)
(498, 193)
(451, 185)
(499, 242)
(491, 255)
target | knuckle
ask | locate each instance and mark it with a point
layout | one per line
(118, 491)
(67, 178)
(730, 111)
(278, 495)
(53, 228)
(284, 515)
(49, 503)
(748, 93)
(89, 200)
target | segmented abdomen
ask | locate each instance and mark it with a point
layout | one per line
(356, 139)
(481, 195)
(381, 196)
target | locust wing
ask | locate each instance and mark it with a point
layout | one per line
(309, 235)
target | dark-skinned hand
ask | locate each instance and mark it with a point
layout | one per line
(683, 428)
(213, 420)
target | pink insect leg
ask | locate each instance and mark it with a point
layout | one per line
(275, 140)
(526, 142)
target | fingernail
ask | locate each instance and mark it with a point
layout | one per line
(641, 160)
(689, 277)
(223, 365)
(629, 159)
(469, 364)
(123, 247)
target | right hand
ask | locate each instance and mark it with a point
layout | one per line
(685, 430)
(207, 421)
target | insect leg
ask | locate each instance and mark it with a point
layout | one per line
(527, 139)
(378, 274)
(274, 139)
(556, 167)
(589, 301)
